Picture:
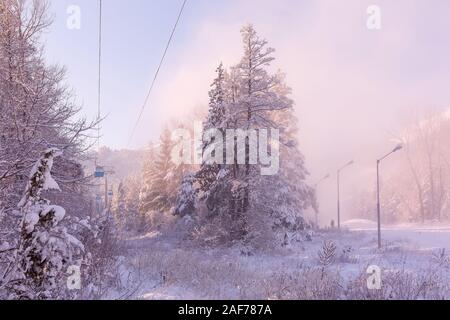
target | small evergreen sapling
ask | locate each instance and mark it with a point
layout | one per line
(327, 254)
(46, 249)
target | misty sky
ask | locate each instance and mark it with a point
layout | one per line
(354, 88)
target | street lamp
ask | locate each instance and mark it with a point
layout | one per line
(397, 148)
(323, 179)
(339, 192)
(315, 187)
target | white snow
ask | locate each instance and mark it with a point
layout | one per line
(359, 224)
(59, 213)
(31, 219)
(50, 183)
(427, 236)
(4, 246)
(178, 270)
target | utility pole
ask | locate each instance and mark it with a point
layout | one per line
(106, 190)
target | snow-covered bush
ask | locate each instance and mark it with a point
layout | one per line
(212, 232)
(347, 255)
(100, 269)
(181, 228)
(305, 284)
(401, 284)
(160, 221)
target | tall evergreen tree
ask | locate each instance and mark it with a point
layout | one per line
(214, 189)
(250, 98)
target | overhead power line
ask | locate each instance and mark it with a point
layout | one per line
(157, 71)
(99, 101)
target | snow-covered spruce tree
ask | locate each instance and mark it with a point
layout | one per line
(186, 197)
(213, 187)
(46, 249)
(162, 179)
(254, 100)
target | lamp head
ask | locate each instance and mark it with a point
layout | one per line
(398, 148)
(348, 164)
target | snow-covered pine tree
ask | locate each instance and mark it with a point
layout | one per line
(46, 249)
(256, 99)
(266, 98)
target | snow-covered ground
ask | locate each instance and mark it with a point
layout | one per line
(413, 262)
(426, 236)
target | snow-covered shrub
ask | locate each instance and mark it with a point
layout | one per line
(181, 228)
(441, 258)
(327, 254)
(160, 221)
(260, 234)
(100, 270)
(347, 256)
(401, 285)
(306, 284)
(215, 232)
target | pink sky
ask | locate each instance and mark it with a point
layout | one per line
(354, 88)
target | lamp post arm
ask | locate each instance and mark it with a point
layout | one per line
(382, 158)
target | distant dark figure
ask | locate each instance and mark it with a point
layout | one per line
(332, 224)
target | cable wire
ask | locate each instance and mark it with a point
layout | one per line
(99, 101)
(157, 71)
